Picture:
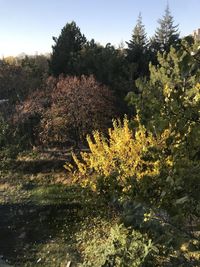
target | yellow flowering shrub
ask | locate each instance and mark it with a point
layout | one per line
(125, 153)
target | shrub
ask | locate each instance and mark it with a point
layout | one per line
(29, 114)
(125, 158)
(115, 246)
(9, 141)
(3, 131)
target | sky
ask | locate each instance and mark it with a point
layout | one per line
(27, 26)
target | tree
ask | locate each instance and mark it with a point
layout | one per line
(167, 33)
(19, 77)
(163, 99)
(66, 109)
(37, 68)
(73, 55)
(170, 101)
(78, 106)
(139, 36)
(107, 64)
(137, 52)
(65, 54)
(13, 82)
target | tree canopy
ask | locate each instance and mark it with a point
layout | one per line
(66, 50)
(167, 33)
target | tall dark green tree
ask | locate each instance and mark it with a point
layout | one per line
(107, 64)
(137, 52)
(167, 33)
(139, 36)
(66, 51)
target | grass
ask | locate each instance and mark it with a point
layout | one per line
(41, 213)
(53, 194)
(44, 216)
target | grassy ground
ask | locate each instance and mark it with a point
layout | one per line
(41, 212)
(44, 216)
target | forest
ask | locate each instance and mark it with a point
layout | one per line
(100, 152)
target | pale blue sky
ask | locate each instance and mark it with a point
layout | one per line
(28, 25)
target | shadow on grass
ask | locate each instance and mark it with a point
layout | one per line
(37, 166)
(22, 226)
(54, 211)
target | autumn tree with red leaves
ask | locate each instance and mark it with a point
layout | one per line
(79, 106)
(30, 112)
(68, 108)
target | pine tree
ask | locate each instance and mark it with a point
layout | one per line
(167, 33)
(137, 52)
(139, 36)
(66, 50)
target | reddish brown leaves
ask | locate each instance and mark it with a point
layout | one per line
(70, 108)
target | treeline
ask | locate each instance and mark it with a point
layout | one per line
(48, 107)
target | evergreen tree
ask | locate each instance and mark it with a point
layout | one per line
(65, 55)
(167, 33)
(137, 52)
(170, 100)
(107, 64)
(139, 36)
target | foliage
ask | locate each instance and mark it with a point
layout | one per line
(160, 164)
(137, 52)
(37, 68)
(108, 65)
(139, 36)
(170, 100)
(173, 240)
(65, 55)
(145, 169)
(30, 112)
(65, 109)
(79, 105)
(3, 131)
(9, 141)
(74, 55)
(171, 96)
(167, 33)
(157, 203)
(126, 161)
(115, 245)
(13, 82)
(19, 77)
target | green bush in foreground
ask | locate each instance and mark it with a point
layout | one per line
(115, 246)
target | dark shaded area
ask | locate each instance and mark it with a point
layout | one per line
(41, 166)
(24, 225)
(36, 166)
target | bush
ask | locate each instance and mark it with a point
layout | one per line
(29, 114)
(9, 142)
(4, 127)
(125, 159)
(115, 246)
